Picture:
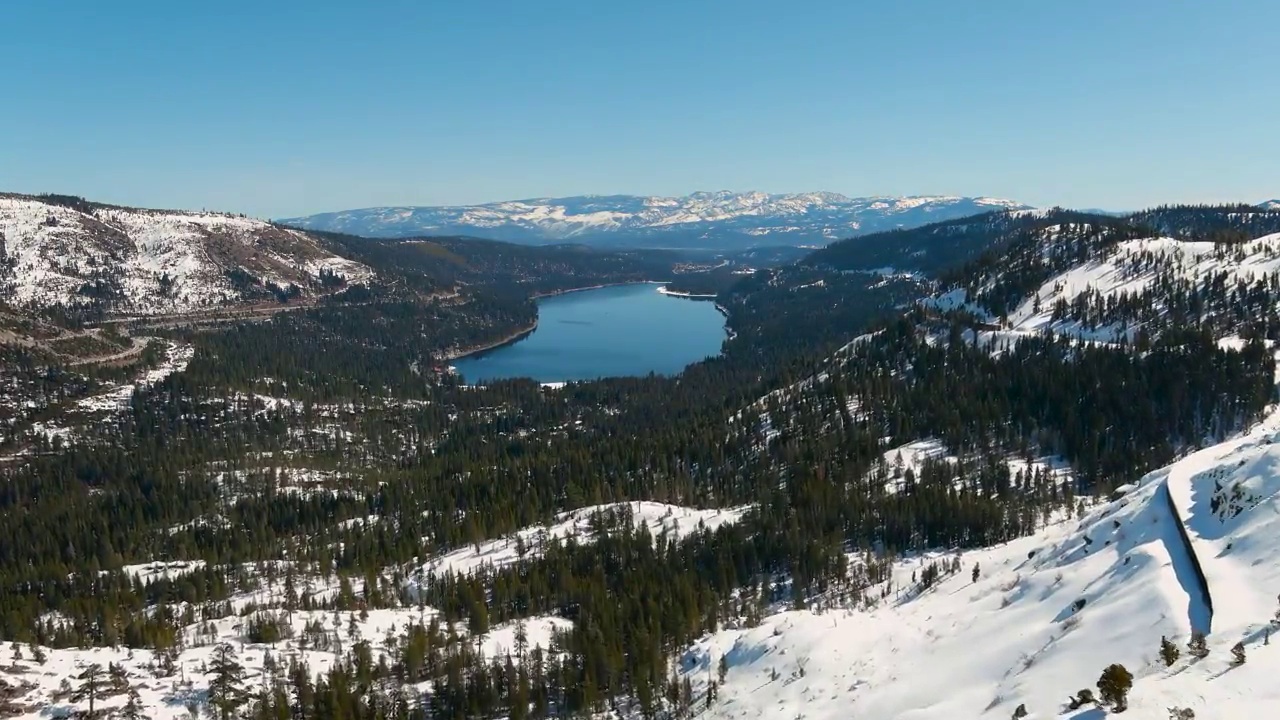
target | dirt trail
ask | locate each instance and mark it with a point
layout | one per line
(136, 346)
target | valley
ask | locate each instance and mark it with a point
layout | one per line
(947, 471)
(370, 361)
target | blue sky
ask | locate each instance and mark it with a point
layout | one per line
(282, 108)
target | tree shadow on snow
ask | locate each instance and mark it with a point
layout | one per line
(185, 696)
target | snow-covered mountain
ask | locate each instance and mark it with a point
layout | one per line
(703, 220)
(1270, 205)
(62, 251)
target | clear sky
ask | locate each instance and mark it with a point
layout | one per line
(277, 108)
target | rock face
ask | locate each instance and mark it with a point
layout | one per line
(717, 220)
(62, 252)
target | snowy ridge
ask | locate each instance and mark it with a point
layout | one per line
(1122, 270)
(703, 219)
(674, 520)
(147, 262)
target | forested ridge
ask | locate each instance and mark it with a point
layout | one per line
(329, 445)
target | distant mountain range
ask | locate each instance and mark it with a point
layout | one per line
(706, 220)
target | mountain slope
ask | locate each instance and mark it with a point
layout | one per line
(1046, 614)
(1190, 547)
(81, 256)
(947, 244)
(700, 220)
(1221, 223)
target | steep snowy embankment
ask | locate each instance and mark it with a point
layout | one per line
(1047, 614)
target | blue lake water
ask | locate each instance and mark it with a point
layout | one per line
(608, 332)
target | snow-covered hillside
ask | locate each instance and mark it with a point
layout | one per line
(705, 219)
(111, 398)
(1127, 270)
(1047, 614)
(177, 686)
(1191, 547)
(65, 253)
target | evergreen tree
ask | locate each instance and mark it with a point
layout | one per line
(226, 690)
(1114, 685)
(1082, 698)
(133, 708)
(94, 683)
(1168, 651)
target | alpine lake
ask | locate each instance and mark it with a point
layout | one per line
(620, 330)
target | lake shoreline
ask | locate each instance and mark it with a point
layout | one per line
(557, 293)
(686, 295)
(454, 358)
(514, 337)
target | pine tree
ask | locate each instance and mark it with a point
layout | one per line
(522, 639)
(1169, 652)
(133, 708)
(93, 683)
(117, 677)
(226, 690)
(1082, 698)
(1114, 685)
(478, 623)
